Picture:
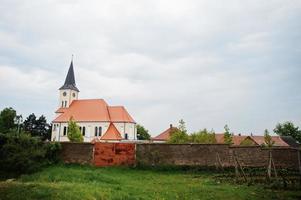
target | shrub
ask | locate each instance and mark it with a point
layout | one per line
(25, 154)
(74, 134)
(203, 137)
(52, 152)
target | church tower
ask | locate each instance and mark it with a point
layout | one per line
(68, 92)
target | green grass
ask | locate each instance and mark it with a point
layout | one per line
(85, 182)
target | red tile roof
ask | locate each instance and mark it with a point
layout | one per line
(259, 140)
(119, 114)
(277, 139)
(93, 110)
(165, 135)
(112, 133)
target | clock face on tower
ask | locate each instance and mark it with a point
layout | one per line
(73, 94)
(64, 94)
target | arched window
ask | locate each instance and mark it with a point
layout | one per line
(80, 129)
(126, 136)
(84, 131)
(65, 103)
(62, 103)
(65, 130)
(99, 131)
(95, 131)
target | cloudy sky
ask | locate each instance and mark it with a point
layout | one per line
(209, 62)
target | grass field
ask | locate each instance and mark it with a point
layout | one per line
(84, 182)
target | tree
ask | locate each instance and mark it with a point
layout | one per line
(37, 127)
(74, 134)
(182, 126)
(7, 120)
(227, 135)
(203, 137)
(269, 143)
(179, 135)
(142, 133)
(288, 129)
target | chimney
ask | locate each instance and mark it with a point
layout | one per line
(239, 134)
(170, 125)
(251, 134)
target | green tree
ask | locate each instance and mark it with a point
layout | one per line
(37, 127)
(269, 143)
(228, 137)
(179, 135)
(288, 129)
(203, 137)
(182, 126)
(7, 120)
(74, 134)
(142, 133)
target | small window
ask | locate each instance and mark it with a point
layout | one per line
(126, 136)
(84, 131)
(99, 131)
(80, 129)
(65, 103)
(65, 130)
(95, 130)
(62, 103)
(54, 127)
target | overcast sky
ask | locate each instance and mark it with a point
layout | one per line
(209, 62)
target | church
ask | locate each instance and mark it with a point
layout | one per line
(97, 120)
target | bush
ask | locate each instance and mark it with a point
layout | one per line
(74, 134)
(25, 154)
(52, 152)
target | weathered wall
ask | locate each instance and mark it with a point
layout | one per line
(77, 152)
(182, 154)
(208, 155)
(108, 154)
(259, 156)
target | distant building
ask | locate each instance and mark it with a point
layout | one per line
(237, 140)
(165, 135)
(96, 119)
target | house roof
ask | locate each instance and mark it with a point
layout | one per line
(259, 140)
(237, 139)
(70, 80)
(93, 110)
(277, 139)
(165, 135)
(290, 141)
(112, 133)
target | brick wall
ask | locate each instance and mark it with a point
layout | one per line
(77, 152)
(108, 154)
(208, 155)
(182, 154)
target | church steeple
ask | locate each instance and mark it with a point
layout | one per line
(70, 79)
(68, 92)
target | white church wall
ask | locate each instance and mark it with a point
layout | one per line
(58, 134)
(129, 128)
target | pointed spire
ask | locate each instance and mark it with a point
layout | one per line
(70, 79)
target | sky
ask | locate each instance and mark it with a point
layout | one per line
(208, 62)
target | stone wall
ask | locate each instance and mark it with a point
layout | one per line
(77, 152)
